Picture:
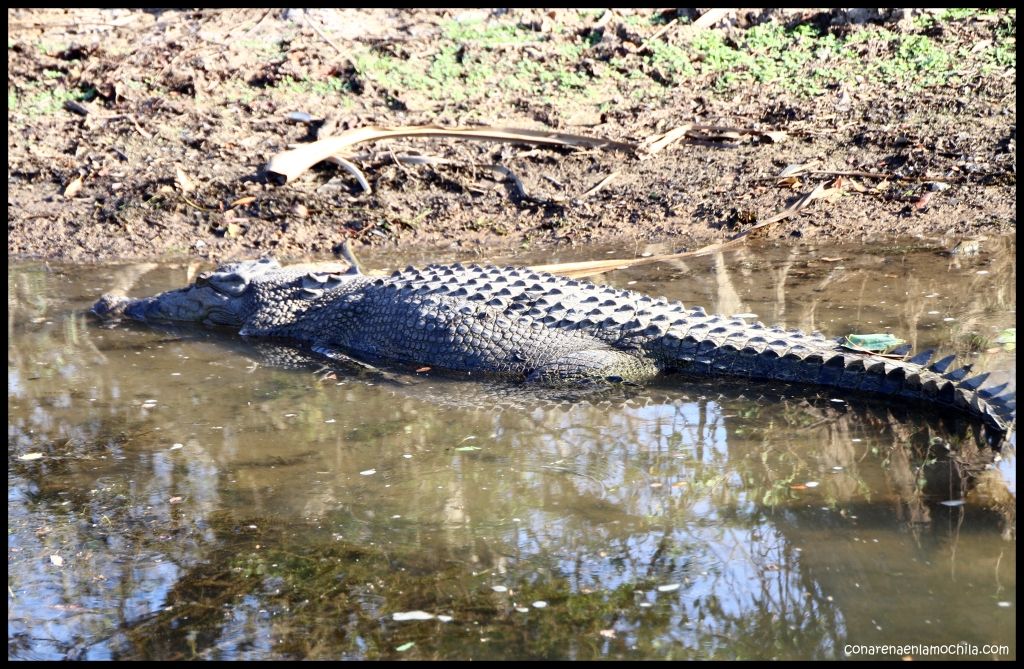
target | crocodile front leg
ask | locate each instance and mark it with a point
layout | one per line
(595, 365)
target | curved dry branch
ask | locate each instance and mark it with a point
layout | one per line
(290, 164)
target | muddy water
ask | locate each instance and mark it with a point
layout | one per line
(176, 495)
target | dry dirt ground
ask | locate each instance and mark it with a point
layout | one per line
(144, 134)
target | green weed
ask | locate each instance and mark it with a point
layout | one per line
(40, 99)
(472, 57)
(263, 48)
(486, 34)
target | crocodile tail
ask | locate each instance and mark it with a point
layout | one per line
(937, 384)
(943, 384)
(810, 361)
(998, 403)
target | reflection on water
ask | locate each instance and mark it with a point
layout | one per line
(178, 495)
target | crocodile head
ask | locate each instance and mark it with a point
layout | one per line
(223, 297)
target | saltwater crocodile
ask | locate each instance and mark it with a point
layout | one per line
(536, 327)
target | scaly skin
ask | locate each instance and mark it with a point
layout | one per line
(531, 326)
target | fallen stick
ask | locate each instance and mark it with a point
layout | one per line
(501, 170)
(655, 143)
(312, 24)
(600, 184)
(290, 164)
(578, 270)
(353, 170)
(646, 46)
(711, 17)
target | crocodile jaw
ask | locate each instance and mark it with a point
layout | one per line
(196, 305)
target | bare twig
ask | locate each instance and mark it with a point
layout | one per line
(397, 161)
(588, 268)
(353, 170)
(873, 175)
(295, 161)
(656, 36)
(601, 184)
(578, 270)
(711, 17)
(728, 131)
(817, 192)
(656, 143)
(797, 170)
(312, 24)
(248, 31)
(422, 160)
(138, 127)
(550, 179)
(501, 170)
(603, 21)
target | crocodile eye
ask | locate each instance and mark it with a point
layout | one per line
(232, 284)
(233, 279)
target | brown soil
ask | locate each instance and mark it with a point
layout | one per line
(187, 107)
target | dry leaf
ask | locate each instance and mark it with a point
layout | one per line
(831, 194)
(73, 187)
(819, 191)
(656, 143)
(856, 185)
(184, 183)
(981, 45)
(793, 170)
(191, 271)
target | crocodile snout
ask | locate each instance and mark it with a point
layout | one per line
(110, 307)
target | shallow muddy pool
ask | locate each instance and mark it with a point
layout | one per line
(180, 495)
